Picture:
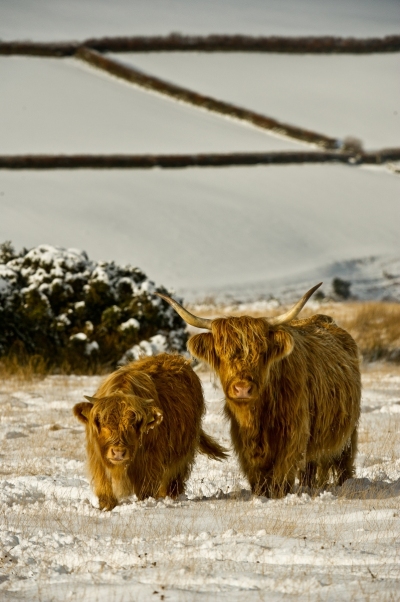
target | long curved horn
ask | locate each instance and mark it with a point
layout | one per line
(91, 399)
(186, 315)
(296, 309)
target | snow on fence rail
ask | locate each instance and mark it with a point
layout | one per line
(195, 160)
(211, 43)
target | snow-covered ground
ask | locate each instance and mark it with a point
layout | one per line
(218, 541)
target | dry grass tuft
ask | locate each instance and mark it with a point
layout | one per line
(23, 369)
(376, 328)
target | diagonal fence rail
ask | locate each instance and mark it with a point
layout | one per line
(155, 84)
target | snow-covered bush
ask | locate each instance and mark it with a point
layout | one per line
(78, 313)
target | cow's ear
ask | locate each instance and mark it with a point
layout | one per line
(202, 347)
(281, 344)
(154, 418)
(82, 411)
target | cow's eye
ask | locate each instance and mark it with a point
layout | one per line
(97, 423)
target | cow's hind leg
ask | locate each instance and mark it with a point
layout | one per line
(175, 477)
(308, 476)
(260, 482)
(175, 487)
(343, 465)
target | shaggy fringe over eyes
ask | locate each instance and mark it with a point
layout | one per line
(130, 409)
(245, 334)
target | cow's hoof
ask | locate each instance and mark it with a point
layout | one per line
(107, 503)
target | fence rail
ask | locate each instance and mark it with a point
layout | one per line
(211, 43)
(194, 160)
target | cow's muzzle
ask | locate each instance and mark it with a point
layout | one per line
(242, 390)
(117, 455)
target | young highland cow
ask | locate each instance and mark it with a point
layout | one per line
(143, 429)
(292, 392)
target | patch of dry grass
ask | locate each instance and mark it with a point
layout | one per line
(25, 369)
(376, 328)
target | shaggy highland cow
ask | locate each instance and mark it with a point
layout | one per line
(292, 392)
(143, 429)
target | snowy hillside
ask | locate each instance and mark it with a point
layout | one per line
(205, 231)
(368, 279)
(197, 230)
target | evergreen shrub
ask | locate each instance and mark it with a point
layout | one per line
(81, 315)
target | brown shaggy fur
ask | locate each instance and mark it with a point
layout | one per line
(300, 406)
(143, 428)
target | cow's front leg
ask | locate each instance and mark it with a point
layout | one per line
(283, 482)
(102, 486)
(270, 485)
(261, 483)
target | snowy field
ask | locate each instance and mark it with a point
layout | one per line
(218, 541)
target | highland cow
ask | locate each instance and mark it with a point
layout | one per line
(292, 394)
(143, 429)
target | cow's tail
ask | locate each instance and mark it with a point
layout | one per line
(211, 448)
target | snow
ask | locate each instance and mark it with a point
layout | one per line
(79, 19)
(337, 95)
(63, 106)
(79, 336)
(199, 230)
(155, 345)
(131, 323)
(217, 541)
(375, 278)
